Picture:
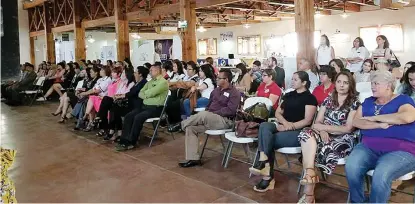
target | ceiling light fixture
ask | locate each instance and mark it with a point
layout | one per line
(344, 15)
(135, 36)
(201, 29)
(247, 26)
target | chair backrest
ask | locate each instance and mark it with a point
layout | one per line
(363, 87)
(168, 95)
(40, 81)
(364, 95)
(253, 100)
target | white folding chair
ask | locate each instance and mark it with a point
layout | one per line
(364, 89)
(36, 90)
(158, 119)
(200, 109)
(231, 136)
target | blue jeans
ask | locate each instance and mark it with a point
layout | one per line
(388, 166)
(200, 103)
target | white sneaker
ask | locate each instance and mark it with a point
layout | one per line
(41, 99)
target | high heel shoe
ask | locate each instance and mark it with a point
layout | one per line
(108, 137)
(62, 120)
(101, 133)
(89, 127)
(56, 114)
(309, 179)
(264, 185)
(260, 168)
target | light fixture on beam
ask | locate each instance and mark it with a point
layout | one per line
(344, 15)
(135, 36)
(201, 29)
(90, 39)
(318, 14)
(247, 26)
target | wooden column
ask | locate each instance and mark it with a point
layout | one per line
(79, 31)
(304, 26)
(32, 50)
(122, 30)
(49, 39)
(188, 13)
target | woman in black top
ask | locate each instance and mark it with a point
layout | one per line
(296, 111)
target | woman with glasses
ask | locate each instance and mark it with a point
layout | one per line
(327, 75)
(268, 88)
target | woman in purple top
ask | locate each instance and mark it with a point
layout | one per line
(387, 123)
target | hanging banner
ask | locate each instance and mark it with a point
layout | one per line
(108, 53)
(163, 50)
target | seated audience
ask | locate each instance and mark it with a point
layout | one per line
(280, 73)
(364, 74)
(243, 83)
(407, 87)
(405, 68)
(205, 87)
(12, 92)
(256, 76)
(305, 65)
(269, 89)
(8, 84)
(337, 64)
(178, 73)
(387, 125)
(295, 112)
(167, 70)
(215, 70)
(194, 72)
(79, 100)
(327, 75)
(154, 95)
(109, 63)
(219, 114)
(332, 135)
(106, 86)
(62, 80)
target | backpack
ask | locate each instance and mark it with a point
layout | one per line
(247, 122)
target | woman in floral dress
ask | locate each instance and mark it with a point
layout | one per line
(332, 136)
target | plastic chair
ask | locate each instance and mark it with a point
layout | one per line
(200, 109)
(158, 119)
(243, 140)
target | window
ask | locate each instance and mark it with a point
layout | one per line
(249, 45)
(394, 34)
(207, 46)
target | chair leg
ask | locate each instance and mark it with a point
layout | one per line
(168, 125)
(221, 141)
(204, 146)
(287, 160)
(225, 153)
(246, 151)
(33, 99)
(229, 155)
(154, 133)
(255, 160)
(348, 198)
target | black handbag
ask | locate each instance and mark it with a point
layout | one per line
(122, 102)
(393, 63)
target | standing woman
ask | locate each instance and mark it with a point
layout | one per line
(357, 55)
(332, 136)
(325, 52)
(382, 53)
(295, 112)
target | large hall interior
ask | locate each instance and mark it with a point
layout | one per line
(207, 101)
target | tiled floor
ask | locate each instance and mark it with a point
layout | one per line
(56, 164)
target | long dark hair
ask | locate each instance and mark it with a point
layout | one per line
(351, 95)
(129, 64)
(371, 64)
(327, 40)
(329, 70)
(304, 78)
(408, 90)
(179, 66)
(361, 43)
(194, 66)
(338, 63)
(386, 44)
(207, 69)
(242, 67)
(71, 70)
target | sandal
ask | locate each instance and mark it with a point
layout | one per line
(89, 127)
(101, 133)
(56, 114)
(303, 199)
(308, 179)
(264, 185)
(63, 119)
(260, 168)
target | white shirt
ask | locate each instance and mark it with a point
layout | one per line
(208, 82)
(360, 52)
(362, 77)
(314, 79)
(194, 78)
(102, 84)
(324, 55)
(177, 77)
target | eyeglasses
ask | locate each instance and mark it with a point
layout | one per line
(221, 78)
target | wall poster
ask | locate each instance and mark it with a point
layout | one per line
(163, 50)
(207, 46)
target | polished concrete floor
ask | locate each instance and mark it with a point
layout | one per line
(56, 164)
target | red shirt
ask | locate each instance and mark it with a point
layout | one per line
(265, 91)
(322, 94)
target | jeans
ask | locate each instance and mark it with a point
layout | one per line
(387, 167)
(269, 140)
(200, 103)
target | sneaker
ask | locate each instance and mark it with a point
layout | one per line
(41, 99)
(123, 147)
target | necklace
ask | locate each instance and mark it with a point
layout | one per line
(377, 110)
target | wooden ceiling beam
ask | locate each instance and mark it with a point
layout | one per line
(34, 3)
(99, 22)
(37, 33)
(208, 3)
(61, 29)
(156, 12)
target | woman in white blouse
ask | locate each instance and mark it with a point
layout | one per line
(325, 52)
(178, 73)
(382, 53)
(357, 55)
(205, 87)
